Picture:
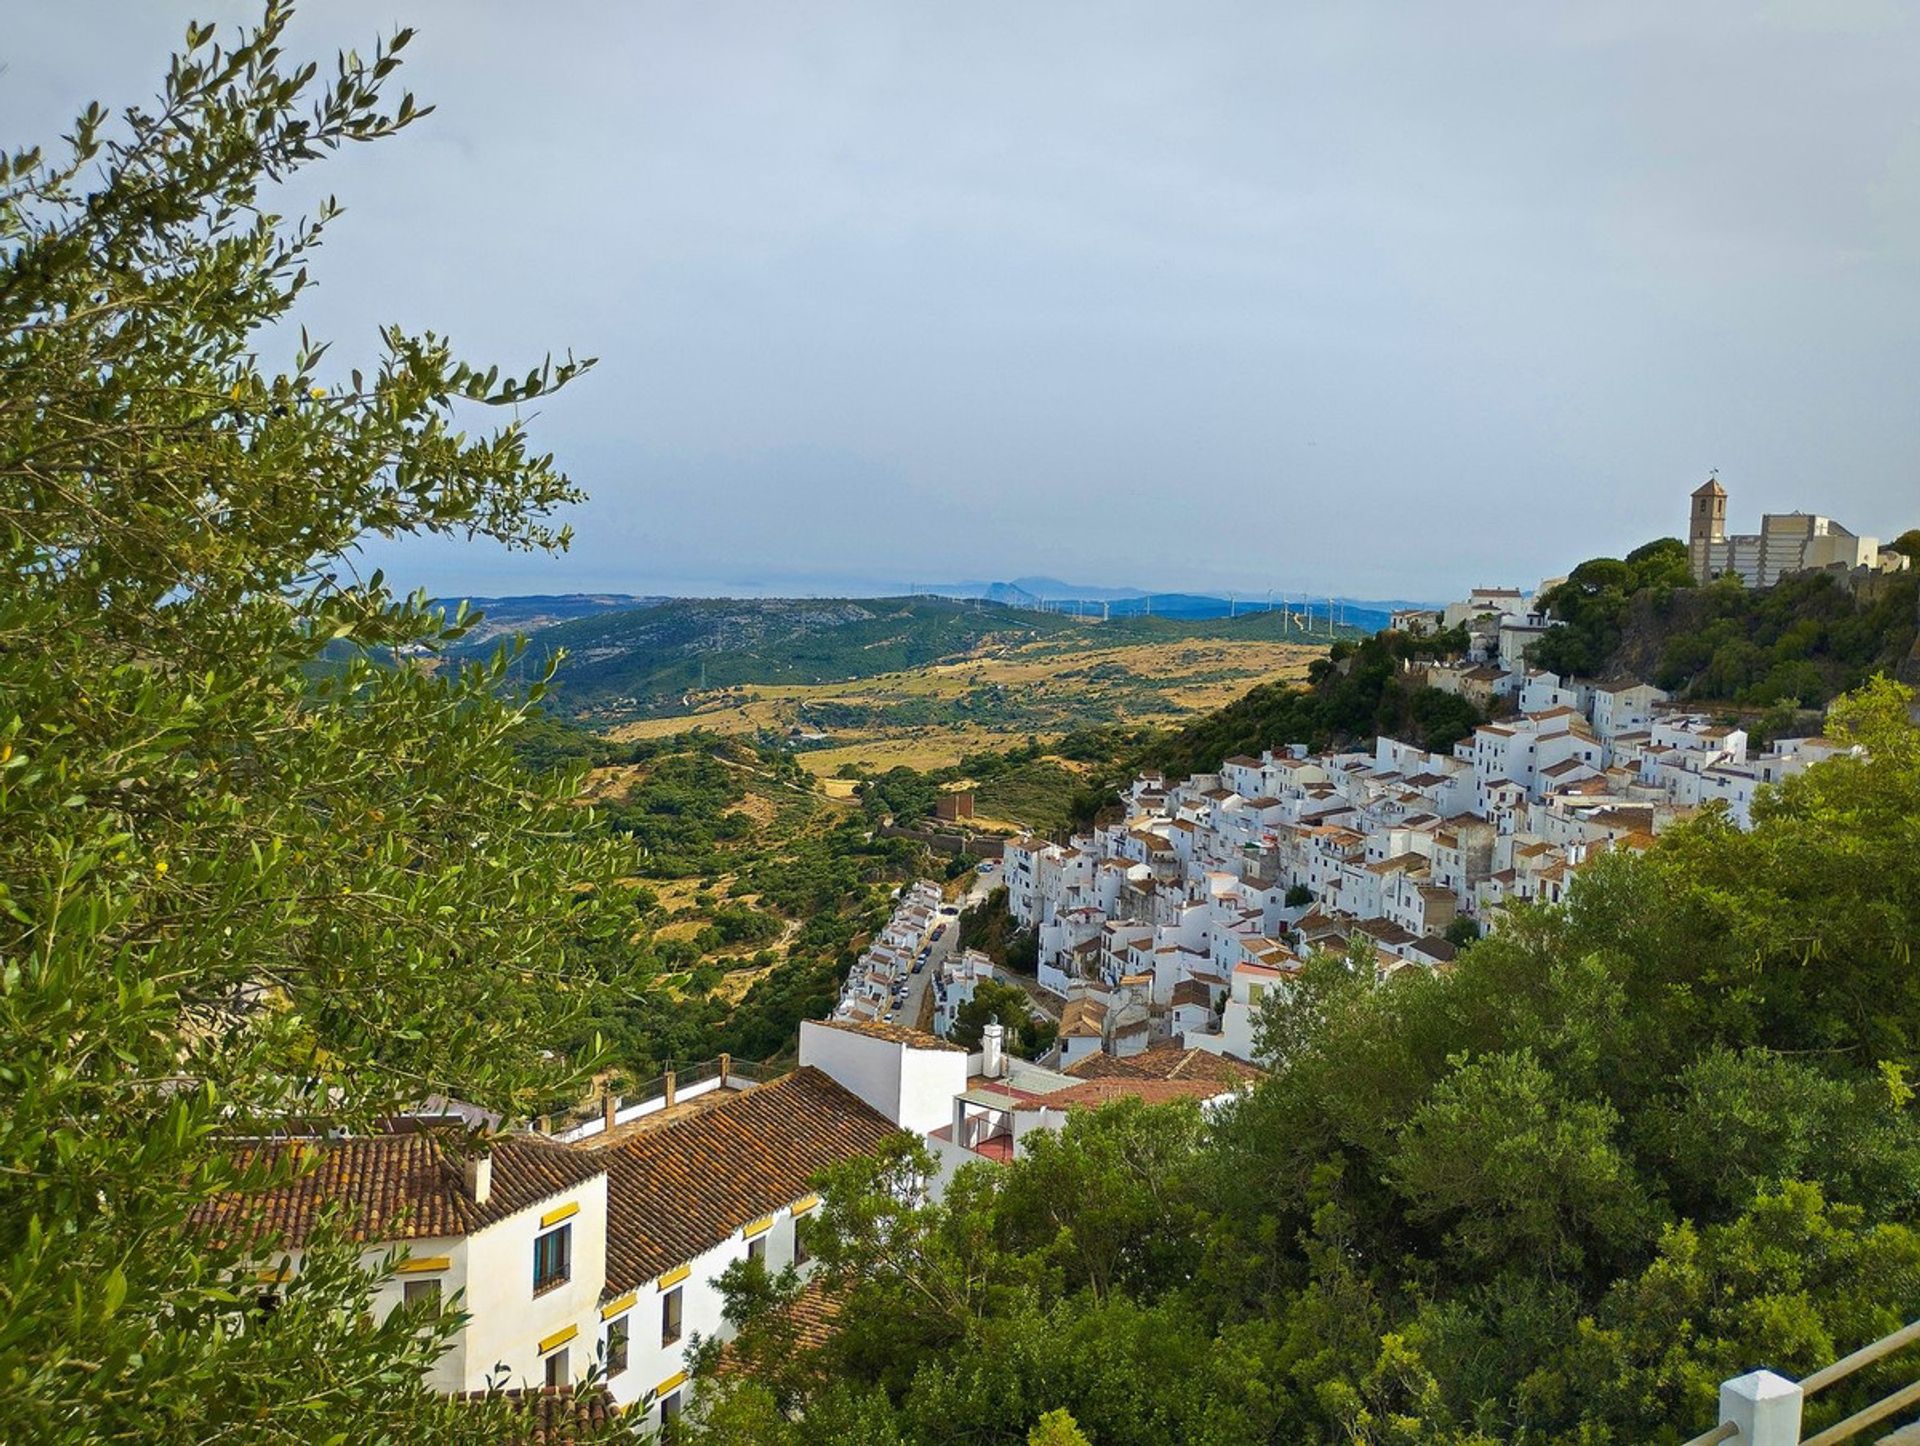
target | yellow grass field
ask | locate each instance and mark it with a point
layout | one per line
(1056, 691)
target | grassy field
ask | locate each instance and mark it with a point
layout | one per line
(930, 717)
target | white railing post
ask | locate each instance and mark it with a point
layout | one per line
(1763, 1409)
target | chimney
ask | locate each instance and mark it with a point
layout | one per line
(478, 1172)
(990, 1048)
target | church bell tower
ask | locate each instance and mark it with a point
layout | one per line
(1705, 526)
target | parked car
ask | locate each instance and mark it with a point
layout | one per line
(918, 965)
(939, 931)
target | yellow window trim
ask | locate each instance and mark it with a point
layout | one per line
(558, 1338)
(554, 1217)
(675, 1276)
(422, 1264)
(274, 1277)
(806, 1203)
(759, 1227)
(614, 1307)
(673, 1382)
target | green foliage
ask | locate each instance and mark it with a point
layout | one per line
(1591, 605)
(904, 794)
(1039, 795)
(1358, 691)
(1622, 1151)
(1796, 644)
(241, 886)
(989, 927)
(1057, 1428)
(1026, 1036)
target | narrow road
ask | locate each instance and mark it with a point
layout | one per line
(919, 1007)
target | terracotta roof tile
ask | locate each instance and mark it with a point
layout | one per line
(1165, 1061)
(556, 1415)
(813, 1315)
(1107, 1088)
(407, 1186)
(675, 1192)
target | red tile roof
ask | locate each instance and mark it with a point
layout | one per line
(1165, 1061)
(398, 1187)
(813, 1316)
(676, 1192)
(1108, 1088)
(555, 1415)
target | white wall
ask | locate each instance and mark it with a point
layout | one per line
(929, 1079)
(509, 1321)
(859, 1063)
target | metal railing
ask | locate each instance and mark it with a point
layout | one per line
(1763, 1409)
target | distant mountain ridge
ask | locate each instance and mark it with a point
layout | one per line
(1050, 594)
(526, 613)
(645, 661)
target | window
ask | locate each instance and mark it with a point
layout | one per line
(670, 1317)
(552, 1258)
(669, 1409)
(557, 1368)
(616, 1346)
(418, 1291)
(801, 1229)
(757, 1249)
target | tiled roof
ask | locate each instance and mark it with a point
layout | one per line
(1108, 1088)
(897, 1033)
(1191, 991)
(556, 1415)
(674, 1193)
(813, 1315)
(399, 1187)
(1082, 1016)
(1165, 1061)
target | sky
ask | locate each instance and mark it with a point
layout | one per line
(1378, 299)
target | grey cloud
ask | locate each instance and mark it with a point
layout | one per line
(1383, 298)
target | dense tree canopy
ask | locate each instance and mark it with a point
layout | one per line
(242, 884)
(1591, 605)
(1796, 644)
(1621, 1152)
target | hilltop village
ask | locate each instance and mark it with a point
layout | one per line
(593, 1249)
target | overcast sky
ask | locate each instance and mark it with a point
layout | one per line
(1380, 299)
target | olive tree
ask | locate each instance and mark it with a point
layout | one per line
(264, 854)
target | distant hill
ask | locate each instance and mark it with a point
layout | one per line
(1050, 594)
(504, 615)
(644, 661)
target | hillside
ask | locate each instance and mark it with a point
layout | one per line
(645, 660)
(1799, 643)
(502, 616)
(929, 678)
(1355, 693)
